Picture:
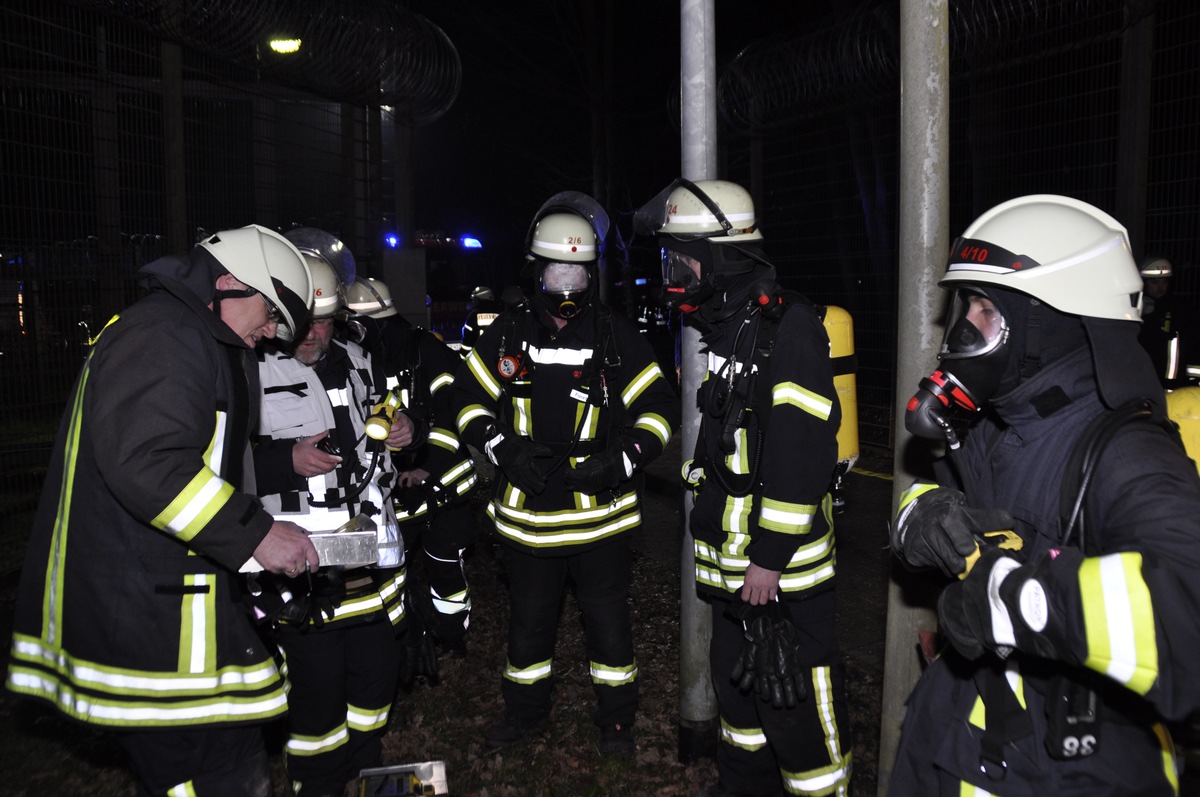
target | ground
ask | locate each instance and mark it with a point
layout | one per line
(445, 720)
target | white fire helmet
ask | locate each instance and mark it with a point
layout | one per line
(719, 210)
(565, 238)
(370, 297)
(270, 264)
(1064, 252)
(327, 288)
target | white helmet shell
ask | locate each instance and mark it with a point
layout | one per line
(327, 288)
(1156, 267)
(687, 216)
(370, 297)
(266, 261)
(1064, 252)
(564, 238)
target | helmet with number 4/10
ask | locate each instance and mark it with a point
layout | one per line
(1033, 279)
(370, 297)
(270, 264)
(1061, 251)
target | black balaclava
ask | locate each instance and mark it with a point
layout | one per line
(1038, 335)
(734, 271)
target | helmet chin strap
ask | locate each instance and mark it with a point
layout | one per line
(244, 293)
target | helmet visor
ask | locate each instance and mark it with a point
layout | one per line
(974, 326)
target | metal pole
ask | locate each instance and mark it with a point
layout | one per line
(1133, 142)
(924, 241)
(698, 145)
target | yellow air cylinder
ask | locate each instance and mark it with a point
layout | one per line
(840, 328)
(1183, 407)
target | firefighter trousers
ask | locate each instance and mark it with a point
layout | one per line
(206, 762)
(600, 579)
(342, 682)
(801, 750)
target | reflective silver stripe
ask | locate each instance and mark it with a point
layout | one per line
(483, 375)
(613, 676)
(784, 516)
(362, 719)
(309, 745)
(529, 675)
(568, 517)
(640, 382)
(790, 393)
(112, 712)
(547, 539)
(576, 357)
(654, 424)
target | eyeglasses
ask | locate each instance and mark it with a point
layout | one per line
(273, 314)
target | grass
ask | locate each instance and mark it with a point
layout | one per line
(446, 720)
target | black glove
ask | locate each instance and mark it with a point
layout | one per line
(999, 606)
(326, 589)
(603, 471)
(524, 462)
(770, 661)
(938, 529)
(308, 598)
(419, 658)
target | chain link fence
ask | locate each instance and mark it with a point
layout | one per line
(120, 142)
(1096, 99)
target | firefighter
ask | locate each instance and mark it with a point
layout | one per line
(565, 398)
(434, 481)
(1168, 324)
(315, 465)
(481, 312)
(762, 519)
(129, 616)
(1066, 519)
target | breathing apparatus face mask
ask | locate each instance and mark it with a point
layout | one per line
(564, 289)
(683, 289)
(973, 359)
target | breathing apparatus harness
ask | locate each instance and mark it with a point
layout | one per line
(1074, 710)
(605, 358)
(736, 391)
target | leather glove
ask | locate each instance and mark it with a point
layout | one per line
(999, 606)
(419, 658)
(603, 471)
(519, 458)
(770, 661)
(936, 528)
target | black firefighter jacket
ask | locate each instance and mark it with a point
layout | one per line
(129, 612)
(562, 391)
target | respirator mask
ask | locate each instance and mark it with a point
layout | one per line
(682, 287)
(564, 289)
(973, 359)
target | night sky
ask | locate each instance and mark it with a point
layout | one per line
(521, 129)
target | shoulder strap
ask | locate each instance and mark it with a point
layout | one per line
(1081, 466)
